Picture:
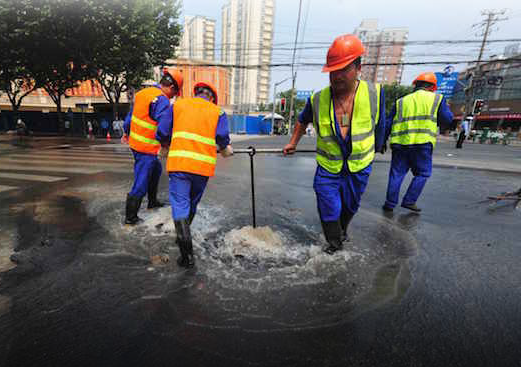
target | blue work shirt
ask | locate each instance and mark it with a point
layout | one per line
(444, 119)
(306, 116)
(160, 110)
(222, 133)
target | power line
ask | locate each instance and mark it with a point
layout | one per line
(316, 45)
(320, 64)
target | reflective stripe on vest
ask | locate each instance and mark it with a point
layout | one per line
(193, 145)
(143, 128)
(363, 124)
(416, 118)
(195, 137)
(192, 155)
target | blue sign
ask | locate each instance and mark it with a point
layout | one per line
(447, 81)
(304, 94)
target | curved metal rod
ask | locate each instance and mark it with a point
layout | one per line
(270, 150)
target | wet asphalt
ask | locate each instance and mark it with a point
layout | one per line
(442, 288)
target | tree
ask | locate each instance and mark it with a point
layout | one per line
(64, 44)
(141, 35)
(298, 105)
(393, 92)
(15, 77)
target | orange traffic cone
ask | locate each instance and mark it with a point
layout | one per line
(108, 135)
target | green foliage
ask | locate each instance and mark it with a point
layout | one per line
(15, 78)
(393, 92)
(137, 36)
(56, 44)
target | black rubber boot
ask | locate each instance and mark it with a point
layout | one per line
(345, 219)
(184, 241)
(132, 207)
(333, 234)
(152, 198)
(191, 218)
(412, 207)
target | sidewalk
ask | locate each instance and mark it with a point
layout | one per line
(513, 141)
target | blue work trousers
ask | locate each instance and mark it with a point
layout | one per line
(418, 159)
(186, 190)
(147, 171)
(337, 193)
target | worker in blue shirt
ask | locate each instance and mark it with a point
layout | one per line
(349, 119)
(151, 107)
(413, 127)
(191, 136)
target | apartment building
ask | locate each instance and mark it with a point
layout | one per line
(246, 41)
(384, 46)
(198, 41)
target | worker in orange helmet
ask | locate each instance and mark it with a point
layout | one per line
(151, 107)
(349, 118)
(197, 128)
(413, 127)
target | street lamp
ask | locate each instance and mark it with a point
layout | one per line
(274, 94)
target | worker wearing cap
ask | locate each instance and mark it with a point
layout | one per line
(151, 107)
(349, 119)
(413, 127)
(198, 127)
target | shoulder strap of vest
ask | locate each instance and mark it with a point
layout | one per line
(373, 101)
(316, 110)
(435, 105)
(399, 110)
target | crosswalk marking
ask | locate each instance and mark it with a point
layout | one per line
(17, 167)
(31, 157)
(7, 188)
(40, 178)
(28, 168)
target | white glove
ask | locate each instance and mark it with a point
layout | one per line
(228, 151)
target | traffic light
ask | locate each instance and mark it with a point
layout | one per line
(282, 104)
(478, 105)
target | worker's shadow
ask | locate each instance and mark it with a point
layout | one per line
(406, 221)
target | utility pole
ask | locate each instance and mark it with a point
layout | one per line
(293, 74)
(491, 17)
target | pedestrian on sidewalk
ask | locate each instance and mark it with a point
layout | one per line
(413, 128)
(349, 119)
(104, 126)
(90, 133)
(464, 131)
(189, 141)
(67, 127)
(151, 107)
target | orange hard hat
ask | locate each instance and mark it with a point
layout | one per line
(176, 76)
(209, 86)
(428, 78)
(342, 52)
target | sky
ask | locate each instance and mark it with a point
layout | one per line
(323, 20)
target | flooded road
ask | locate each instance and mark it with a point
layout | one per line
(441, 288)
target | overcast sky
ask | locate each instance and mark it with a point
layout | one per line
(323, 20)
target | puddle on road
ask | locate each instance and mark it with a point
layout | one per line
(278, 272)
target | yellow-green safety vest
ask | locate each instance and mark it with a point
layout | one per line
(366, 113)
(415, 121)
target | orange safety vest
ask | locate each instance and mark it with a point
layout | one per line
(193, 148)
(142, 127)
